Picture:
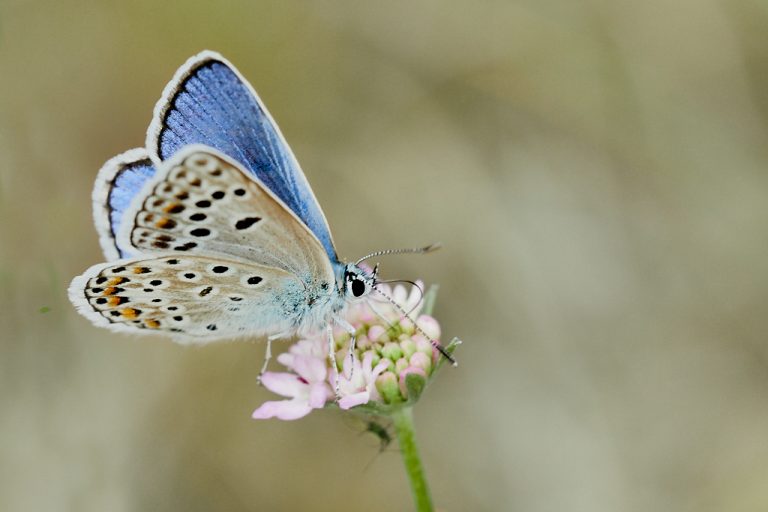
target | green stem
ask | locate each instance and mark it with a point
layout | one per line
(406, 436)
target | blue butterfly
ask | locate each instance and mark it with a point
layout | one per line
(212, 231)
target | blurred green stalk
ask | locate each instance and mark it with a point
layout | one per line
(406, 436)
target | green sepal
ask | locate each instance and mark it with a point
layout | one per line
(415, 384)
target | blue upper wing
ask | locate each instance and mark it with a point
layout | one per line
(208, 102)
(117, 183)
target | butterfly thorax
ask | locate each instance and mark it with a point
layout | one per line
(315, 304)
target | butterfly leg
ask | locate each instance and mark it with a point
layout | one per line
(353, 336)
(332, 358)
(268, 354)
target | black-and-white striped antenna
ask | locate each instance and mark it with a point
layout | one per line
(414, 250)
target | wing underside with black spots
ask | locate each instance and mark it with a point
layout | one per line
(201, 202)
(192, 298)
(209, 102)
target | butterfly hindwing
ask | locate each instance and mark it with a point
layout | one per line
(201, 203)
(117, 184)
(209, 102)
(194, 298)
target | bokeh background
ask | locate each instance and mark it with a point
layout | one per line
(597, 172)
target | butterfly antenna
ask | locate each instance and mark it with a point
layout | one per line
(414, 250)
(434, 342)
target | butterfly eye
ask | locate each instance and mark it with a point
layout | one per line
(358, 287)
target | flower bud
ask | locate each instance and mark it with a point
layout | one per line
(377, 333)
(388, 387)
(429, 325)
(407, 325)
(408, 347)
(392, 351)
(425, 347)
(423, 361)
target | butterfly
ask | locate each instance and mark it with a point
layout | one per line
(212, 231)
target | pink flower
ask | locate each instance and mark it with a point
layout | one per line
(307, 389)
(389, 347)
(361, 387)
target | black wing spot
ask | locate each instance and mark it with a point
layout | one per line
(219, 194)
(197, 217)
(239, 192)
(187, 246)
(254, 280)
(149, 290)
(174, 261)
(157, 300)
(155, 282)
(172, 308)
(204, 203)
(161, 245)
(247, 222)
(211, 327)
(178, 318)
(101, 280)
(118, 269)
(189, 275)
(200, 232)
(219, 269)
(101, 300)
(235, 299)
(205, 291)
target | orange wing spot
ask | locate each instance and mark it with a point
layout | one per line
(116, 281)
(165, 223)
(140, 270)
(114, 300)
(110, 291)
(130, 313)
(174, 208)
(152, 324)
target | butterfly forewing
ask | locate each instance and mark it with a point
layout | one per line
(189, 296)
(203, 204)
(209, 102)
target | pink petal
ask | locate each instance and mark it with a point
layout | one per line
(318, 395)
(285, 384)
(381, 367)
(311, 368)
(282, 409)
(368, 360)
(286, 359)
(350, 401)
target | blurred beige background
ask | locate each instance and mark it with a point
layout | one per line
(597, 172)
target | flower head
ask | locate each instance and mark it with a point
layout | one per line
(392, 360)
